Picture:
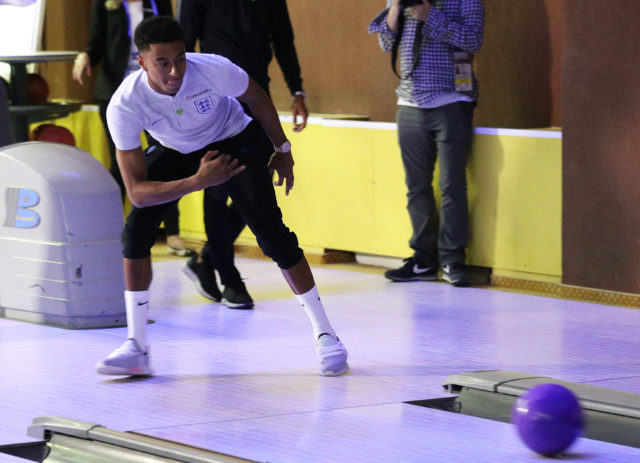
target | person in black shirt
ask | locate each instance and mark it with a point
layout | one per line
(249, 33)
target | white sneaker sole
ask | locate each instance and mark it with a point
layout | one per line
(103, 369)
(344, 367)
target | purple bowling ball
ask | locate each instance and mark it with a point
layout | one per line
(548, 418)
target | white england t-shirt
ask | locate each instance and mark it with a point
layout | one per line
(203, 111)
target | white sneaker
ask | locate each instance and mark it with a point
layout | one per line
(333, 356)
(127, 360)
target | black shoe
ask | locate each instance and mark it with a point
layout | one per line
(236, 297)
(457, 274)
(412, 271)
(204, 277)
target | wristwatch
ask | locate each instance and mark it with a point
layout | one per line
(284, 148)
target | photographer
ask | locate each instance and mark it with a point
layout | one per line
(436, 98)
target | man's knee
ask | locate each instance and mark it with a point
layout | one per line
(136, 244)
(283, 250)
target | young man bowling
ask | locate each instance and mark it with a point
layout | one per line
(188, 103)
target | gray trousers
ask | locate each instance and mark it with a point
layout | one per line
(424, 136)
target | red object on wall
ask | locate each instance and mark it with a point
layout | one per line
(52, 133)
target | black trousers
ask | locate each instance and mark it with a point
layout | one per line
(251, 191)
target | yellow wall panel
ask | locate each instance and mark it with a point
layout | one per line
(191, 215)
(349, 193)
(392, 230)
(515, 203)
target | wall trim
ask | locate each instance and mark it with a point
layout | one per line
(577, 293)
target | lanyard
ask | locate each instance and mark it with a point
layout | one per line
(126, 9)
(417, 46)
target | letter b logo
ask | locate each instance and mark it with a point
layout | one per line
(19, 202)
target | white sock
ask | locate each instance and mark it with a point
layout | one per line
(137, 305)
(312, 305)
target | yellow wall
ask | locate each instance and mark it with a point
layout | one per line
(349, 193)
(515, 194)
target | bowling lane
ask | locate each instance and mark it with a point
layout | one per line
(246, 382)
(391, 432)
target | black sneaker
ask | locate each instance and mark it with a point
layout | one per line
(236, 297)
(457, 274)
(204, 277)
(412, 271)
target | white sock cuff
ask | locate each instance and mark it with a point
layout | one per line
(312, 305)
(134, 297)
(137, 305)
(309, 296)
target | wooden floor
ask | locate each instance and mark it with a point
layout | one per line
(246, 383)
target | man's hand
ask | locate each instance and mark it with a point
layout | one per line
(299, 109)
(282, 163)
(217, 168)
(420, 12)
(80, 65)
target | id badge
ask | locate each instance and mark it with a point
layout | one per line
(463, 71)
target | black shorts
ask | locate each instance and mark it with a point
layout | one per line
(251, 190)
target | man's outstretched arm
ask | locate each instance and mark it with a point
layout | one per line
(214, 169)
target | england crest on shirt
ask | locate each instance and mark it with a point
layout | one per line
(204, 105)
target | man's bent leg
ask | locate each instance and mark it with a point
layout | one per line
(138, 236)
(253, 193)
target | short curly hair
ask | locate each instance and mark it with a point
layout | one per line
(157, 29)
